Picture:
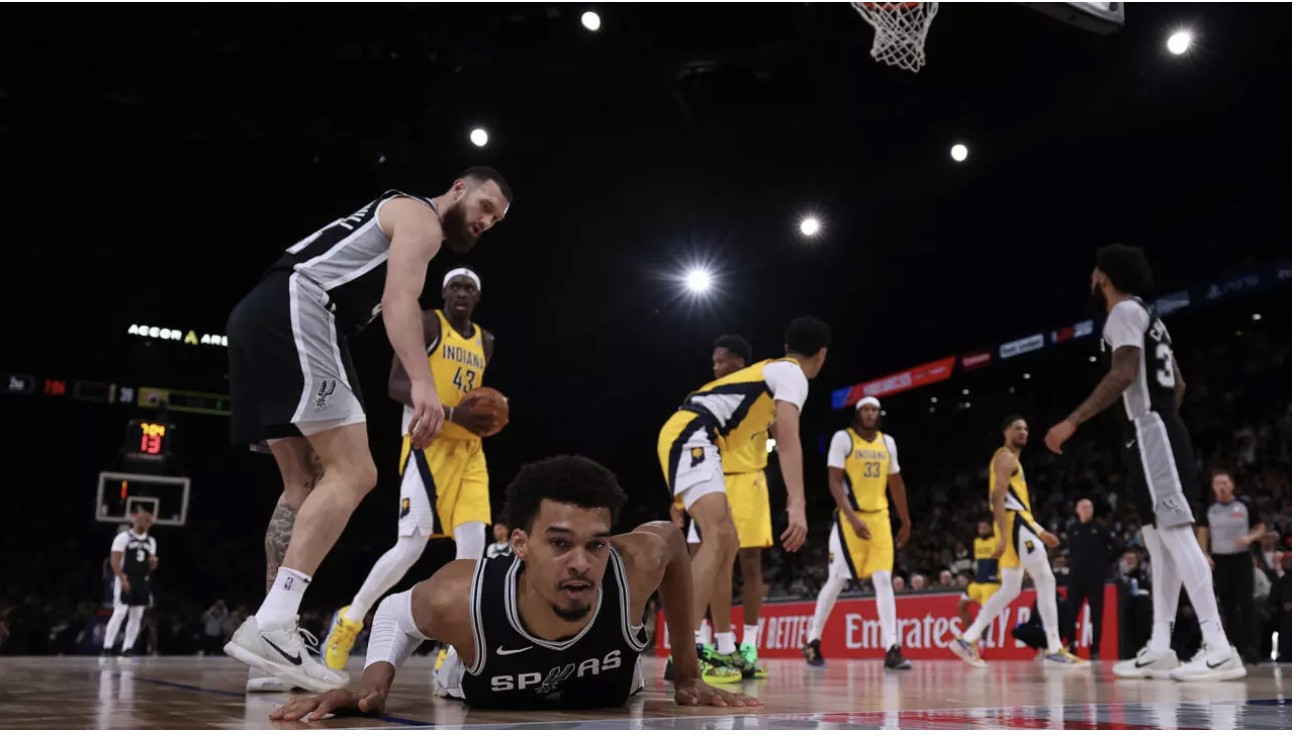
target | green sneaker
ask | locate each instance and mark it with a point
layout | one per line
(710, 655)
(751, 670)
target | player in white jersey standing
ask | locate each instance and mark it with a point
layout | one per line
(292, 384)
(1162, 466)
(134, 556)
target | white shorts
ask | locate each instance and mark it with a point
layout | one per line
(696, 471)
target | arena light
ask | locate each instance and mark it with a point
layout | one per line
(965, 392)
(1256, 317)
(591, 21)
(698, 281)
(478, 137)
(934, 399)
(1092, 359)
(959, 153)
(810, 226)
(1179, 42)
(1026, 376)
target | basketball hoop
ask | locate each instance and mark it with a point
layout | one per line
(900, 31)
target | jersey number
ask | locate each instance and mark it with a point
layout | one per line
(871, 470)
(1165, 374)
(139, 555)
(464, 380)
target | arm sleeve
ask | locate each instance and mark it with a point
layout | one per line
(394, 635)
(153, 546)
(787, 383)
(841, 446)
(119, 543)
(1126, 324)
(894, 467)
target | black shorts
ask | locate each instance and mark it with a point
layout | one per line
(140, 594)
(291, 374)
(1161, 468)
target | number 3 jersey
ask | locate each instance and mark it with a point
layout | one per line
(458, 363)
(1133, 323)
(136, 551)
(599, 667)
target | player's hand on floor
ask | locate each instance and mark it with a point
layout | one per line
(797, 530)
(695, 692)
(478, 422)
(1050, 539)
(316, 707)
(427, 417)
(904, 534)
(859, 526)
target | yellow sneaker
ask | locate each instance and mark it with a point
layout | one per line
(343, 634)
(716, 675)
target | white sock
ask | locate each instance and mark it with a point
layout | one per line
(114, 625)
(726, 643)
(1194, 571)
(1045, 595)
(700, 638)
(387, 572)
(825, 602)
(133, 618)
(470, 538)
(883, 582)
(751, 635)
(1012, 579)
(1166, 586)
(280, 609)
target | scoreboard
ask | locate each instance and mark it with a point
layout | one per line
(148, 440)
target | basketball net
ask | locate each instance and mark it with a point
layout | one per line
(900, 31)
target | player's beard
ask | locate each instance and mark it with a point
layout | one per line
(1099, 303)
(456, 230)
(572, 614)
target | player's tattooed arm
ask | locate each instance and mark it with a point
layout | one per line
(1123, 372)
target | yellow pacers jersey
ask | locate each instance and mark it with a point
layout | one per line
(458, 363)
(1017, 491)
(986, 565)
(740, 404)
(866, 471)
(750, 457)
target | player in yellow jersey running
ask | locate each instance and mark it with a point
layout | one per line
(444, 488)
(723, 416)
(861, 464)
(1021, 547)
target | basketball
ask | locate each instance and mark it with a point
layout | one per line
(492, 400)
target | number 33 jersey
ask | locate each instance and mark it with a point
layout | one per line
(1133, 323)
(867, 465)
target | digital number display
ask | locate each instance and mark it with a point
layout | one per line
(146, 439)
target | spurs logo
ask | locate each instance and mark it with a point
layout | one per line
(324, 393)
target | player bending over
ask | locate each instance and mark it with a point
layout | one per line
(555, 625)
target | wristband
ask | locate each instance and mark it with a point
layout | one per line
(451, 412)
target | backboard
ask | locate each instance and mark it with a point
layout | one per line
(121, 495)
(1104, 18)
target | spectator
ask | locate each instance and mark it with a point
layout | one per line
(919, 582)
(214, 627)
(898, 584)
(1091, 553)
(945, 579)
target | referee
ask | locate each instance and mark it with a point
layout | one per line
(1233, 526)
(1092, 549)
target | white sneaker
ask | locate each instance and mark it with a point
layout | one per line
(1148, 666)
(260, 682)
(1209, 666)
(282, 653)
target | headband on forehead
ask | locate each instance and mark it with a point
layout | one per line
(478, 284)
(868, 401)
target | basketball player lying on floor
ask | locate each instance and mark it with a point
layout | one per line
(557, 624)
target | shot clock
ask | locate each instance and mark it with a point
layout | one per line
(148, 440)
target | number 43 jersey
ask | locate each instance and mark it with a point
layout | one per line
(1133, 323)
(458, 363)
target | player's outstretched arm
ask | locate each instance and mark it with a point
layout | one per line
(432, 609)
(790, 451)
(1123, 372)
(416, 235)
(657, 557)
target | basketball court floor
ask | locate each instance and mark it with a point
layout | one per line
(199, 692)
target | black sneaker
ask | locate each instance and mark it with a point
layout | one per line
(894, 659)
(668, 669)
(812, 651)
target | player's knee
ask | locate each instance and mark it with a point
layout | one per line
(751, 563)
(360, 474)
(727, 536)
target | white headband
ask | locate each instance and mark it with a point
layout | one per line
(453, 273)
(867, 401)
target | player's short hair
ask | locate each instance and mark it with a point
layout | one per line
(1126, 266)
(806, 335)
(483, 174)
(737, 346)
(572, 479)
(1010, 421)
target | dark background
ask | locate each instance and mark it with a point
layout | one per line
(158, 158)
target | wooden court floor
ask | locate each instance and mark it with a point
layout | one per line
(198, 692)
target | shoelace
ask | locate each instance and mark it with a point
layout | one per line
(311, 643)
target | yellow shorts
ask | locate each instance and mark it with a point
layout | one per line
(856, 558)
(443, 487)
(1025, 547)
(980, 592)
(747, 497)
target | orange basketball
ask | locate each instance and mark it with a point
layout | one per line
(491, 400)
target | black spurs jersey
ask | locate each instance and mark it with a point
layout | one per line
(514, 669)
(348, 258)
(136, 551)
(1133, 323)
